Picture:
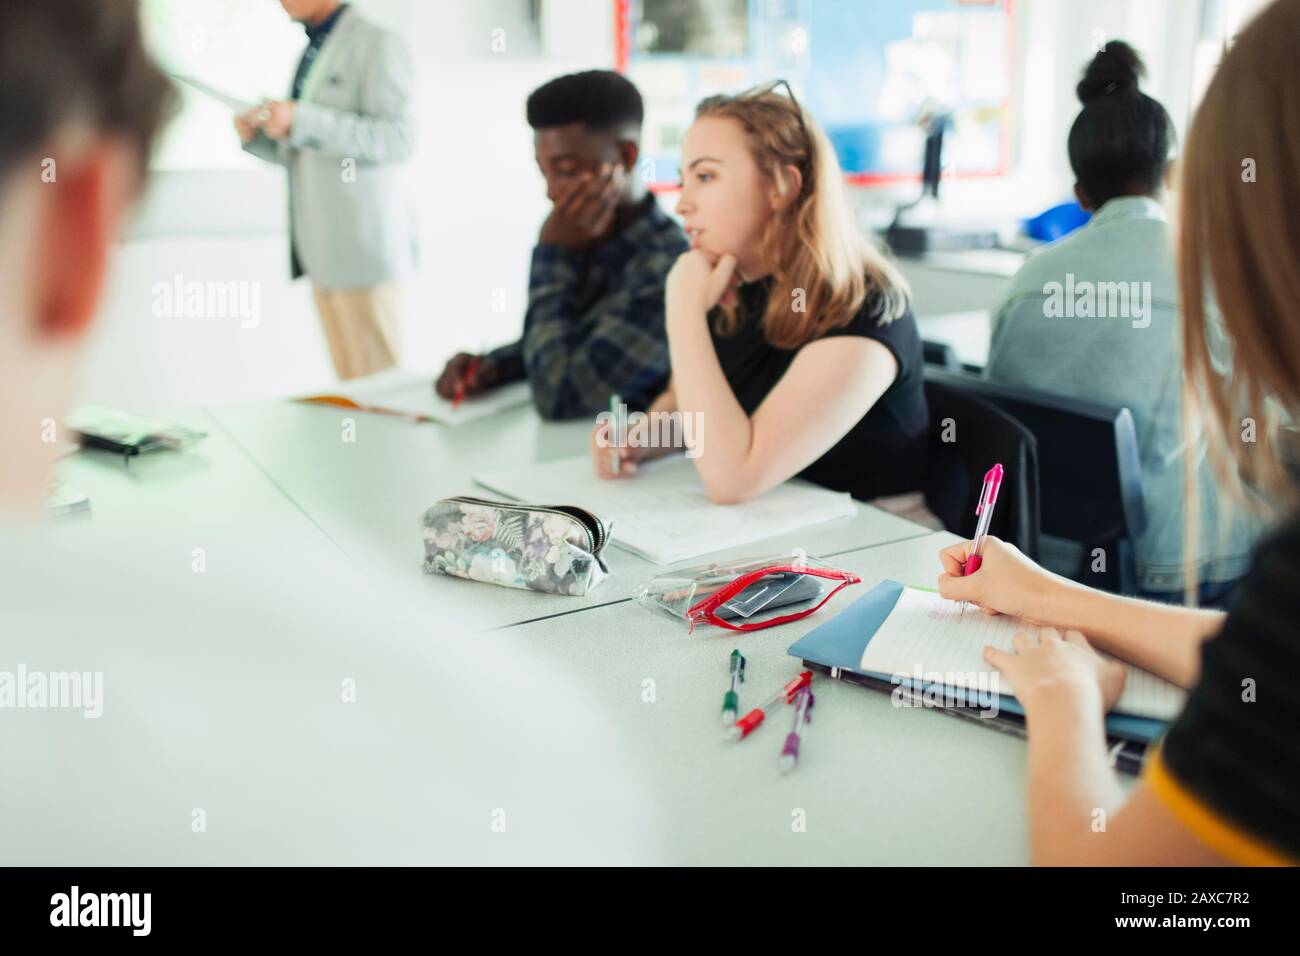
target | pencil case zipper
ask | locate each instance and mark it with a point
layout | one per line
(593, 526)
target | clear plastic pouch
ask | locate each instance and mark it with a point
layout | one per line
(747, 594)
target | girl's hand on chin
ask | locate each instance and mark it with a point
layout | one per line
(700, 280)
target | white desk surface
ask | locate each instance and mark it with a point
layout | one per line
(367, 496)
(213, 484)
(877, 784)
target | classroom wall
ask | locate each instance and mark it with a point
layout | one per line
(480, 199)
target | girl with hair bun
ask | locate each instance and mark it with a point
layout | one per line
(1095, 316)
(1122, 143)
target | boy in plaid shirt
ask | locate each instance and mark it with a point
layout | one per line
(595, 320)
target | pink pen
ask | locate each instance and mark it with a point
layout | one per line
(988, 498)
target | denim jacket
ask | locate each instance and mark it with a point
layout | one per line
(1095, 316)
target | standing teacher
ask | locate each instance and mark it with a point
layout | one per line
(343, 134)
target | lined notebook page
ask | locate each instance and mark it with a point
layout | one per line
(929, 633)
(664, 514)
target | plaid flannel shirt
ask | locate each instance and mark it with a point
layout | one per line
(595, 321)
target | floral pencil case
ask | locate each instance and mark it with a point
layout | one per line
(554, 548)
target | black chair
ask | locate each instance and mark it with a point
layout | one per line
(940, 354)
(1091, 475)
(968, 435)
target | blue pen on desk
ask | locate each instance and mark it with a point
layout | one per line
(731, 700)
(803, 705)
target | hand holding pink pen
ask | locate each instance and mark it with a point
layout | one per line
(988, 498)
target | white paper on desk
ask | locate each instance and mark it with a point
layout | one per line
(663, 513)
(412, 393)
(929, 634)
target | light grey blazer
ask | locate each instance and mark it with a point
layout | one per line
(350, 211)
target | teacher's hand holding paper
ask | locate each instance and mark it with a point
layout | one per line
(245, 126)
(272, 117)
(277, 118)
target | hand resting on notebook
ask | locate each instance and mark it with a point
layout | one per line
(1049, 663)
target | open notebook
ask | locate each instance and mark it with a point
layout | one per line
(664, 513)
(929, 634)
(399, 392)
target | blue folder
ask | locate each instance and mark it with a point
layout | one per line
(837, 646)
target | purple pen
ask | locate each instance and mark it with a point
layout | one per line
(803, 704)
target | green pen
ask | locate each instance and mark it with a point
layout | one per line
(615, 403)
(731, 701)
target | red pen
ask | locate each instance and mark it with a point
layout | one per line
(988, 498)
(747, 724)
(459, 395)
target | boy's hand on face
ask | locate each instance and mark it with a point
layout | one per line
(583, 216)
(484, 376)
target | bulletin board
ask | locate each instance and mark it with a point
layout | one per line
(865, 69)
